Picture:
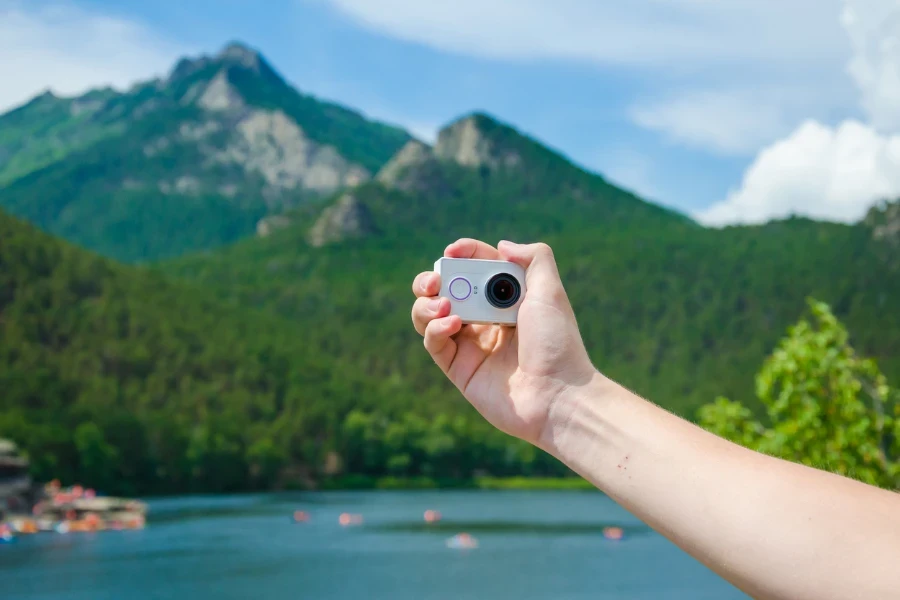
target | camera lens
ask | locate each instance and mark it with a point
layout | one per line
(503, 290)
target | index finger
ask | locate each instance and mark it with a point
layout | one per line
(427, 283)
(469, 248)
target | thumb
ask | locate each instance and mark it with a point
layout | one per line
(541, 274)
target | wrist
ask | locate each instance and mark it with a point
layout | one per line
(570, 409)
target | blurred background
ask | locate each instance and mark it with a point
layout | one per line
(211, 214)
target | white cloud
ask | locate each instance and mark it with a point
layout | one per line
(655, 33)
(874, 30)
(834, 173)
(818, 171)
(68, 49)
(727, 121)
(729, 72)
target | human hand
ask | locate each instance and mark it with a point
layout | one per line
(511, 375)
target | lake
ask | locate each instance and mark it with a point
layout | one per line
(545, 544)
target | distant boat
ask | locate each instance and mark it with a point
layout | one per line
(462, 541)
(6, 534)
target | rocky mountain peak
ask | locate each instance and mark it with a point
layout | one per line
(234, 55)
(241, 54)
(345, 219)
(477, 140)
(413, 169)
(46, 95)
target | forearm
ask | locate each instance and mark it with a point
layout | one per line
(773, 528)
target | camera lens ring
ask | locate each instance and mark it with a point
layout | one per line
(503, 290)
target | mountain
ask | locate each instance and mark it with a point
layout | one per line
(184, 163)
(677, 311)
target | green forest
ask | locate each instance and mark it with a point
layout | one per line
(115, 377)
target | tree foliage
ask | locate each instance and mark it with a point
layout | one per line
(827, 406)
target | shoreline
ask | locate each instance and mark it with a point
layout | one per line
(362, 482)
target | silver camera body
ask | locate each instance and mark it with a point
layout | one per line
(482, 291)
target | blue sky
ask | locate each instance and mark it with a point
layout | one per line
(736, 111)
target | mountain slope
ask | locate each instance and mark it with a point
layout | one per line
(185, 163)
(676, 311)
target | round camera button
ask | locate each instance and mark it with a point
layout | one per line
(460, 288)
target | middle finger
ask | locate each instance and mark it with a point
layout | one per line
(425, 310)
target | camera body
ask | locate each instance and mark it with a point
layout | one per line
(482, 291)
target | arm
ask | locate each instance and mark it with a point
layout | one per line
(773, 528)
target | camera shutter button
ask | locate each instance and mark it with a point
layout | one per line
(460, 288)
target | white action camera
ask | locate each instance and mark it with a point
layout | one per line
(482, 291)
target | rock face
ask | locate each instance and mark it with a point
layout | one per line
(885, 222)
(345, 219)
(473, 142)
(266, 226)
(414, 169)
(273, 145)
(220, 95)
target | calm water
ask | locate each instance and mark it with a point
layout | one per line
(531, 545)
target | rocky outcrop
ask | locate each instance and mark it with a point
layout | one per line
(273, 145)
(220, 95)
(414, 169)
(475, 141)
(267, 225)
(91, 102)
(345, 219)
(884, 220)
(186, 185)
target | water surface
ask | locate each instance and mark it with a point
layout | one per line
(531, 545)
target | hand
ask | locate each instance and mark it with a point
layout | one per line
(511, 375)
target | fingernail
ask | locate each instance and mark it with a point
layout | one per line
(424, 284)
(434, 304)
(509, 243)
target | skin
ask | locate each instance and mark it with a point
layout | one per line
(774, 529)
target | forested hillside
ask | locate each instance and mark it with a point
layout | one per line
(119, 378)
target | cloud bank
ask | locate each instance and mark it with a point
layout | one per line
(834, 173)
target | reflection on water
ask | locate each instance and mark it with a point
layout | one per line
(530, 545)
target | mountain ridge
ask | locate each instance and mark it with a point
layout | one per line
(223, 136)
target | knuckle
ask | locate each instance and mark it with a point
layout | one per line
(544, 249)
